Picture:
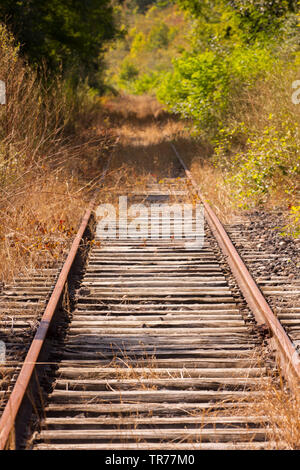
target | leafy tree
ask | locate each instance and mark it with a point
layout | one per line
(159, 36)
(252, 17)
(141, 5)
(234, 43)
(128, 71)
(261, 17)
(61, 33)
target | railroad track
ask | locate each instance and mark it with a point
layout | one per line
(161, 351)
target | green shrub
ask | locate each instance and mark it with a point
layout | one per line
(128, 72)
(152, 41)
(138, 43)
(293, 226)
(202, 85)
(269, 161)
(159, 36)
(147, 83)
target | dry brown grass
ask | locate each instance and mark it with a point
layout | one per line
(271, 97)
(265, 114)
(41, 212)
(145, 131)
(214, 188)
(274, 406)
(51, 158)
(282, 409)
(277, 408)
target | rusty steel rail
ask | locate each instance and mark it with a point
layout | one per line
(287, 353)
(11, 410)
(12, 407)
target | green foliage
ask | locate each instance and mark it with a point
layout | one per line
(253, 14)
(293, 227)
(128, 72)
(141, 5)
(138, 44)
(239, 47)
(147, 83)
(194, 7)
(233, 45)
(218, 22)
(263, 17)
(268, 159)
(61, 34)
(159, 36)
(202, 85)
(153, 39)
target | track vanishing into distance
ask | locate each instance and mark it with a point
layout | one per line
(158, 349)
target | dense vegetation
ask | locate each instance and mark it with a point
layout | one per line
(141, 6)
(154, 36)
(61, 35)
(233, 45)
(230, 70)
(227, 67)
